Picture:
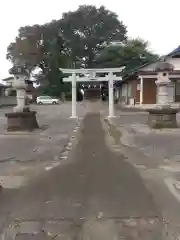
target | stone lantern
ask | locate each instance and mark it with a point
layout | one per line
(163, 115)
(163, 83)
(21, 119)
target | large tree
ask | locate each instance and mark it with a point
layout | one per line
(77, 36)
(72, 41)
(41, 46)
(89, 29)
(132, 54)
(29, 48)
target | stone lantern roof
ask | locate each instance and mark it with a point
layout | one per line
(163, 66)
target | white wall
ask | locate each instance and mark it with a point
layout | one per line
(123, 94)
(129, 90)
(124, 90)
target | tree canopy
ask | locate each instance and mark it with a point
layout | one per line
(80, 38)
(132, 54)
(41, 46)
(90, 29)
(29, 48)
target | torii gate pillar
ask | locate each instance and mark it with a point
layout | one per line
(74, 97)
(111, 95)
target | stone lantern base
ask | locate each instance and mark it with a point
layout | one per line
(162, 117)
(21, 121)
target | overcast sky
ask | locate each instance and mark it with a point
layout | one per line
(156, 21)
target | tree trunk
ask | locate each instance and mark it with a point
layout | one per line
(90, 60)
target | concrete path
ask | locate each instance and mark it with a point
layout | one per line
(25, 154)
(158, 144)
(94, 195)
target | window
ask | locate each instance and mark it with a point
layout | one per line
(45, 97)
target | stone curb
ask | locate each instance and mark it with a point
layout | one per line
(173, 187)
(126, 138)
(67, 148)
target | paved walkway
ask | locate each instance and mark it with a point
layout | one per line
(94, 195)
(160, 144)
(25, 154)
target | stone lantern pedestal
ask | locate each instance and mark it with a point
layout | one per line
(163, 115)
(21, 121)
(22, 118)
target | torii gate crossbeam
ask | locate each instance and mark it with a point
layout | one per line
(110, 78)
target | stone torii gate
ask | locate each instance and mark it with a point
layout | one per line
(109, 76)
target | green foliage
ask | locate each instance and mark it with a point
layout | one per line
(79, 39)
(89, 29)
(131, 54)
(73, 39)
(56, 86)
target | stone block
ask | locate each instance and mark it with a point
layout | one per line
(21, 121)
(162, 118)
(99, 229)
(57, 228)
(140, 229)
(64, 237)
(39, 236)
(30, 227)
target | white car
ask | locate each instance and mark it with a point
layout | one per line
(47, 100)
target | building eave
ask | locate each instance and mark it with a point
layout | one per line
(7, 79)
(174, 52)
(139, 70)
